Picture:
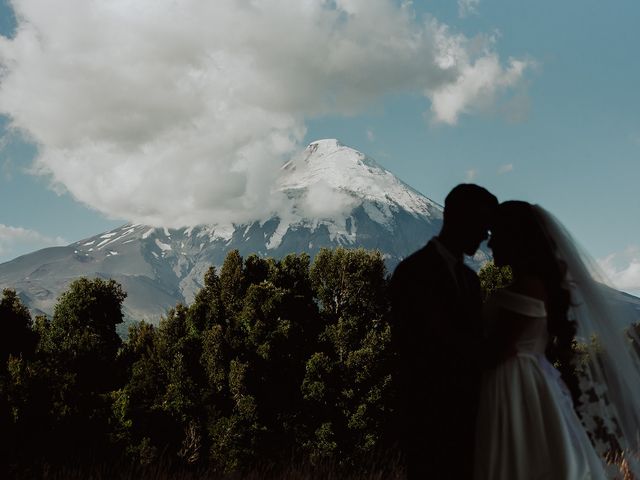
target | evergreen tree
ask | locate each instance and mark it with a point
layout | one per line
(77, 354)
(232, 283)
(255, 361)
(17, 346)
(492, 278)
(82, 335)
(348, 381)
(18, 337)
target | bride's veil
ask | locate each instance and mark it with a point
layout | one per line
(607, 346)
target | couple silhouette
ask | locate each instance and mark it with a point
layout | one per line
(478, 393)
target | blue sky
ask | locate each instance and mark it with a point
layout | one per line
(565, 132)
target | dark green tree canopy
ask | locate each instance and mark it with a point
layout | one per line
(18, 337)
(85, 317)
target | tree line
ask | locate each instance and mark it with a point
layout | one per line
(274, 362)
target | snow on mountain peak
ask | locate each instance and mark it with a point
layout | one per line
(329, 181)
(338, 170)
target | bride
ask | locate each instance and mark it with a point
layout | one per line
(532, 414)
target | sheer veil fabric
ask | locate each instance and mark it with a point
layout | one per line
(608, 361)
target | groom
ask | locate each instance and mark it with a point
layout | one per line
(436, 307)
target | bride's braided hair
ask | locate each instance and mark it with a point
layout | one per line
(536, 254)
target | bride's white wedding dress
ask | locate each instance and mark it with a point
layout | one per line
(527, 427)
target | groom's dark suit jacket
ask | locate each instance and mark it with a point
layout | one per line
(437, 332)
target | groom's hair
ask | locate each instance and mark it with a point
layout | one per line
(467, 198)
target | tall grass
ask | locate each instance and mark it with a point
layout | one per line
(327, 470)
(617, 468)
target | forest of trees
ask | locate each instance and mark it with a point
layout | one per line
(274, 362)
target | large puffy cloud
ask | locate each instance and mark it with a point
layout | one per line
(17, 240)
(623, 269)
(175, 113)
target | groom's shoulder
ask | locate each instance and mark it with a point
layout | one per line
(419, 262)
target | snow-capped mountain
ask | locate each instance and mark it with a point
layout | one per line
(336, 196)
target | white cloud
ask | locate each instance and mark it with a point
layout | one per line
(177, 113)
(323, 201)
(17, 240)
(505, 168)
(467, 7)
(623, 269)
(470, 175)
(475, 89)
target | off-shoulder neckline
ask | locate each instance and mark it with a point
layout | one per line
(521, 295)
